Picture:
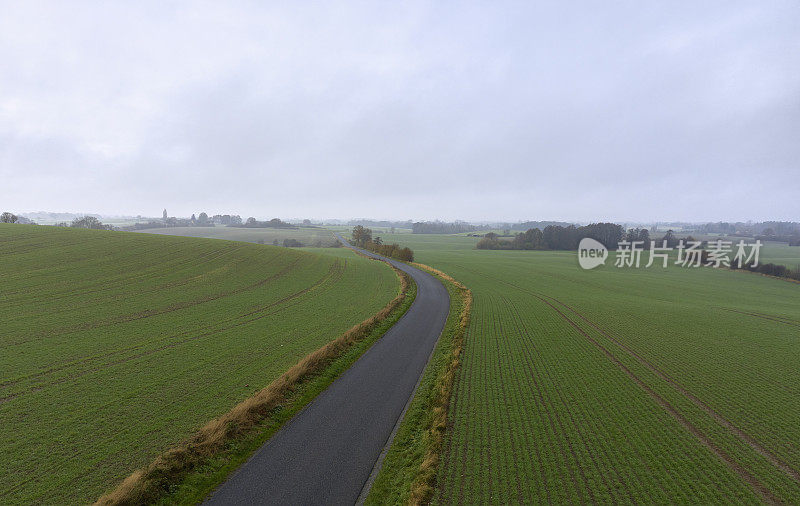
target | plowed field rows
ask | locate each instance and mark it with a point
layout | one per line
(650, 385)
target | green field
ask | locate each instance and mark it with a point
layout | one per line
(619, 385)
(308, 236)
(780, 253)
(116, 346)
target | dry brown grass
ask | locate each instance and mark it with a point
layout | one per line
(422, 486)
(148, 484)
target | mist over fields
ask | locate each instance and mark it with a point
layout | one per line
(399, 253)
(483, 112)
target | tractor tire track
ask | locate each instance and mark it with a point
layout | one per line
(277, 306)
(751, 442)
(765, 493)
(148, 313)
(774, 459)
(764, 316)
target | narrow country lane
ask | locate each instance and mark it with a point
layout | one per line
(325, 454)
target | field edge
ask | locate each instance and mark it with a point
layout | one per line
(408, 474)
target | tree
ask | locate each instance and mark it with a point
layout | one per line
(361, 236)
(488, 243)
(202, 219)
(165, 215)
(670, 239)
(250, 221)
(530, 239)
(7, 217)
(193, 219)
(405, 254)
(88, 222)
(378, 241)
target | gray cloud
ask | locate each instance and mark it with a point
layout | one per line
(627, 111)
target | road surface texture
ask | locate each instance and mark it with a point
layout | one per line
(326, 453)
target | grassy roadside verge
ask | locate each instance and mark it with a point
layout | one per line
(186, 473)
(408, 473)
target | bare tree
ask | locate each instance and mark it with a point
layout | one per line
(7, 217)
(88, 222)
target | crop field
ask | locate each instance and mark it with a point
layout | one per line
(780, 253)
(619, 385)
(308, 236)
(376, 231)
(116, 346)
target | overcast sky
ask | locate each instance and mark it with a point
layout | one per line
(478, 111)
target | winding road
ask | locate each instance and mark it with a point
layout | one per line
(327, 452)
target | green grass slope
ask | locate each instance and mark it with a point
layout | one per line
(116, 346)
(619, 385)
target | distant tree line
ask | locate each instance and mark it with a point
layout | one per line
(777, 270)
(233, 220)
(362, 237)
(454, 227)
(200, 220)
(381, 223)
(556, 237)
(273, 223)
(770, 235)
(203, 220)
(782, 231)
(541, 225)
(442, 227)
(145, 225)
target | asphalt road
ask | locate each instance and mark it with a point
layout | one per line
(325, 454)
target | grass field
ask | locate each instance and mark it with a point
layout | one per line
(650, 385)
(781, 253)
(116, 346)
(308, 236)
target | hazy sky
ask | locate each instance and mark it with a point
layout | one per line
(480, 111)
